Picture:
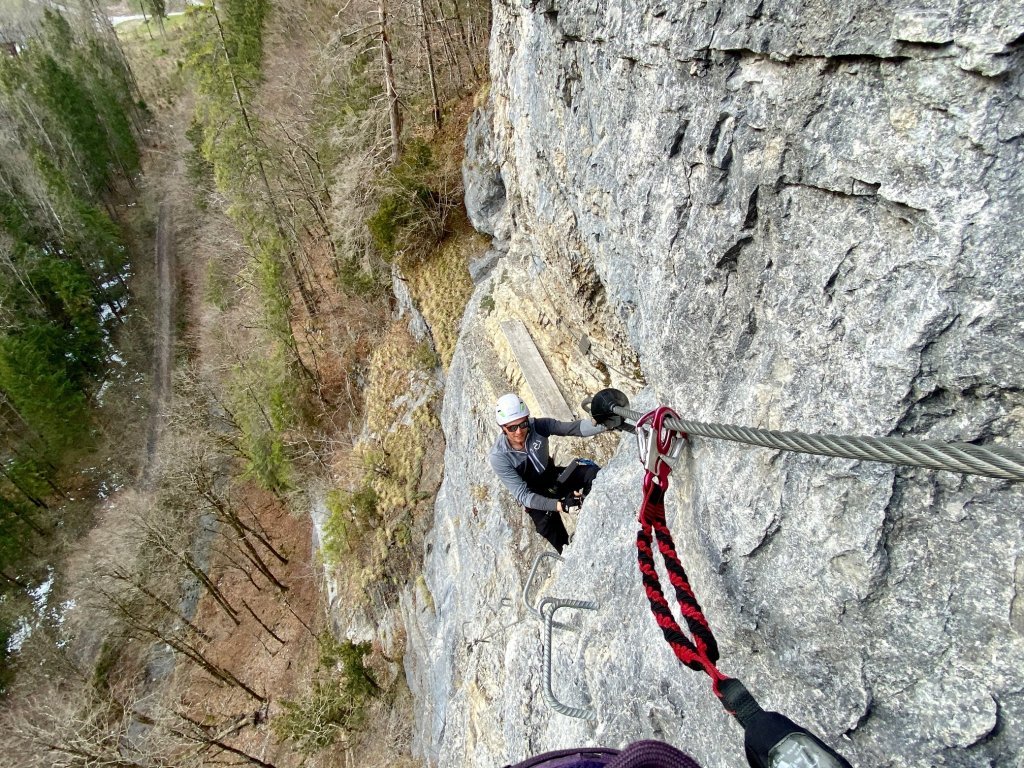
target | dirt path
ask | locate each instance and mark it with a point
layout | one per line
(112, 526)
(163, 328)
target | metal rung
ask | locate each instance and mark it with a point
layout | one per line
(554, 603)
(529, 583)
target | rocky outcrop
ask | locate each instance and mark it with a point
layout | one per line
(792, 216)
(485, 195)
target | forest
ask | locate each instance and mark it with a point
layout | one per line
(70, 127)
(192, 439)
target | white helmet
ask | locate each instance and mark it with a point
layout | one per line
(509, 408)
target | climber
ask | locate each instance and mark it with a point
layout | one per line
(521, 460)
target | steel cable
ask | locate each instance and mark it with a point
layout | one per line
(995, 461)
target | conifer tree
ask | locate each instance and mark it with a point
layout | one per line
(67, 141)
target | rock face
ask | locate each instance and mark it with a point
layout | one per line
(797, 216)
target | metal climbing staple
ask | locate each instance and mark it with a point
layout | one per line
(547, 608)
(529, 583)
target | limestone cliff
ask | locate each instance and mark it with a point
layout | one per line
(788, 215)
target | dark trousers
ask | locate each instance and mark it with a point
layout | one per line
(548, 522)
(549, 525)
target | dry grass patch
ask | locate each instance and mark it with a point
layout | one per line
(400, 415)
(156, 58)
(377, 519)
(441, 285)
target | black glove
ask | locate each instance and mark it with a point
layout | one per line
(602, 404)
(571, 500)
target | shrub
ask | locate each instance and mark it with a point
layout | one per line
(390, 216)
(264, 395)
(355, 280)
(217, 285)
(424, 356)
(412, 216)
(346, 658)
(337, 699)
(198, 170)
(110, 654)
(376, 461)
(349, 514)
(316, 721)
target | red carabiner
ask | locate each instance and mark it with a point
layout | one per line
(660, 446)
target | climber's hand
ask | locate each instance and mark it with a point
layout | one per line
(571, 500)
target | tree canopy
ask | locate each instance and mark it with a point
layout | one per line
(67, 142)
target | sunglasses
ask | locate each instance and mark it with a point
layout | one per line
(524, 425)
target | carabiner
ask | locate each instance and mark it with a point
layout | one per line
(660, 446)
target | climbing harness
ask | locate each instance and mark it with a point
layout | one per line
(770, 739)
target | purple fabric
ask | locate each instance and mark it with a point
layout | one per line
(640, 754)
(580, 757)
(652, 754)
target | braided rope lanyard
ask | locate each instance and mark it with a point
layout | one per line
(660, 447)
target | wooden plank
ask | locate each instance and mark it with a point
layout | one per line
(542, 386)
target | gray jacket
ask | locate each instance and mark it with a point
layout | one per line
(510, 464)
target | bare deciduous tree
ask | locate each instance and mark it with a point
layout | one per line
(390, 88)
